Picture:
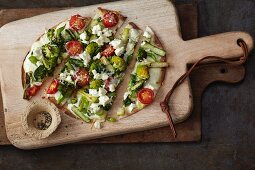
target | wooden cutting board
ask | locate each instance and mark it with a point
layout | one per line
(189, 130)
(180, 53)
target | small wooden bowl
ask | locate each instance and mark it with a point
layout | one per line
(40, 119)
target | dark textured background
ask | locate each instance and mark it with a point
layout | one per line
(228, 113)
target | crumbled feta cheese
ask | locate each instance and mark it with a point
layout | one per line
(97, 125)
(62, 76)
(116, 43)
(101, 40)
(97, 30)
(102, 92)
(94, 107)
(107, 32)
(143, 43)
(103, 100)
(69, 79)
(149, 30)
(111, 87)
(86, 58)
(97, 75)
(83, 38)
(119, 51)
(130, 48)
(126, 95)
(147, 35)
(93, 92)
(37, 83)
(131, 107)
(134, 35)
(98, 56)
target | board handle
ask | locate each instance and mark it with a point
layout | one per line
(223, 45)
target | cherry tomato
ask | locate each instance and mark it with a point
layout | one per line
(74, 48)
(145, 96)
(108, 51)
(107, 83)
(110, 19)
(82, 77)
(77, 22)
(53, 88)
(31, 91)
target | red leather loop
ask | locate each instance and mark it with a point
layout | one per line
(164, 104)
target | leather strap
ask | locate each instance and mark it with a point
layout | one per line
(164, 104)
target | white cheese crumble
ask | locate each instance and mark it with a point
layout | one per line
(126, 95)
(103, 100)
(97, 125)
(98, 56)
(111, 87)
(102, 92)
(134, 34)
(119, 51)
(85, 57)
(99, 76)
(93, 92)
(131, 107)
(97, 30)
(83, 38)
(94, 107)
(101, 40)
(116, 43)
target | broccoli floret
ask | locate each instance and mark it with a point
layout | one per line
(50, 51)
(97, 65)
(40, 73)
(141, 55)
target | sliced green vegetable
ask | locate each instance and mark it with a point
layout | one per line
(74, 100)
(111, 119)
(125, 35)
(101, 112)
(127, 102)
(80, 114)
(141, 55)
(91, 48)
(89, 97)
(95, 84)
(96, 65)
(33, 59)
(158, 64)
(69, 66)
(76, 62)
(154, 49)
(137, 86)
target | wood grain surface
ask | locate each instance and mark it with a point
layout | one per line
(210, 45)
(188, 21)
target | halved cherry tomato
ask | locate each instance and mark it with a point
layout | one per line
(53, 88)
(110, 19)
(145, 96)
(82, 77)
(108, 51)
(74, 48)
(31, 91)
(77, 22)
(107, 83)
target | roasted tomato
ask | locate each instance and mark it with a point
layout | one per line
(77, 22)
(81, 77)
(110, 19)
(53, 88)
(108, 51)
(74, 48)
(31, 91)
(107, 83)
(145, 96)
